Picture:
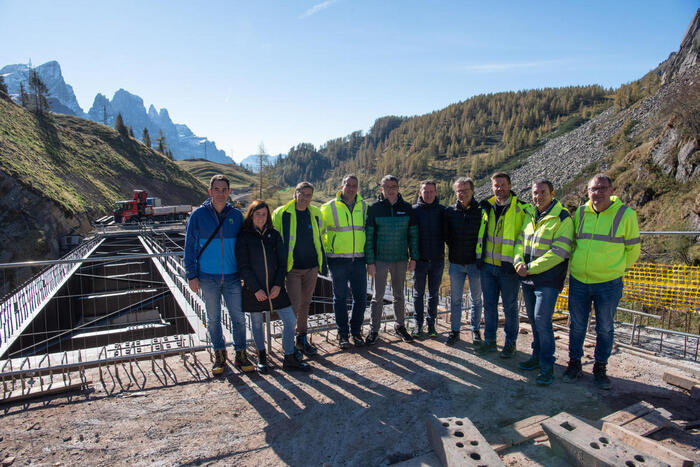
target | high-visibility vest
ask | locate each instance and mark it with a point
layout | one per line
(546, 243)
(344, 231)
(284, 219)
(605, 244)
(500, 236)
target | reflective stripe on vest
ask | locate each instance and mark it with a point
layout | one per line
(610, 238)
(349, 228)
(498, 256)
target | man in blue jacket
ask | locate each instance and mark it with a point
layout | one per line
(210, 264)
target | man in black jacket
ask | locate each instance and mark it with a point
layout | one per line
(431, 261)
(463, 227)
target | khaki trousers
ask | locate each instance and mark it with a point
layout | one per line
(300, 288)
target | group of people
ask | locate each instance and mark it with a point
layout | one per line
(500, 245)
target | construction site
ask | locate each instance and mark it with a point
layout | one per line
(105, 359)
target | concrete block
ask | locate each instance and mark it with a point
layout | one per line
(584, 445)
(647, 445)
(457, 442)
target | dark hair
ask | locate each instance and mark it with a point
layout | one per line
(543, 181)
(388, 178)
(428, 182)
(254, 206)
(218, 177)
(501, 175)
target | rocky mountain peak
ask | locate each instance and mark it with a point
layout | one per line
(61, 96)
(688, 54)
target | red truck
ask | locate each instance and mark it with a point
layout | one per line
(142, 208)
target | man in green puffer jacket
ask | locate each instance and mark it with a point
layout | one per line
(391, 239)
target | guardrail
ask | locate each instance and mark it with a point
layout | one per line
(16, 309)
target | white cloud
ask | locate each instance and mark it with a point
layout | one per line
(501, 67)
(316, 8)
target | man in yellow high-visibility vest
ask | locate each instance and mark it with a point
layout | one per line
(504, 214)
(606, 244)
(344, 241)
(541, 259)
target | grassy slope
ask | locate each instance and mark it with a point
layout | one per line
(204, 170)
(84, 166)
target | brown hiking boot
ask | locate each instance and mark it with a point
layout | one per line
(242, 363)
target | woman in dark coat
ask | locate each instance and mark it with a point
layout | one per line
(262, 266)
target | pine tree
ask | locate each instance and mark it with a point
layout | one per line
(39, 92)
(131, 132)
(4, 94)
(120, 127)
(146, 138)
(23, 97)
(161, 144)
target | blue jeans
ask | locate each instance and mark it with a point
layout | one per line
(212, 290)
(494, 282)
(539, 302)
(353, 271)
(289, 324)
(432, 271)
(458, 273)
(605, 297)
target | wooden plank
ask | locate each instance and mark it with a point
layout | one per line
(650, 423)
(55, 388)
(519, 432)
(586, 446)
(628, 414)
(677, 379)
(457, 442)
(647, 445)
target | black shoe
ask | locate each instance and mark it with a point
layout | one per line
(453, 338)
(545, 377)
(262, 366)
(292, 362)
(431, 330)
(343, 342)
(417, 332)
(358, 340)
(508, 350)
(476, 338)
(242, 363)
(600, 378)
(372, 338)
(532, 363)
(573, 371)
(219, 362)
(304, 345)
(402, 333)
(486, 347)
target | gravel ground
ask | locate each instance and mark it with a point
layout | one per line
(363, 407)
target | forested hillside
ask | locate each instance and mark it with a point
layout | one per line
(473, 137)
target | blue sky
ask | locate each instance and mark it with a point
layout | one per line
(282, 73)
